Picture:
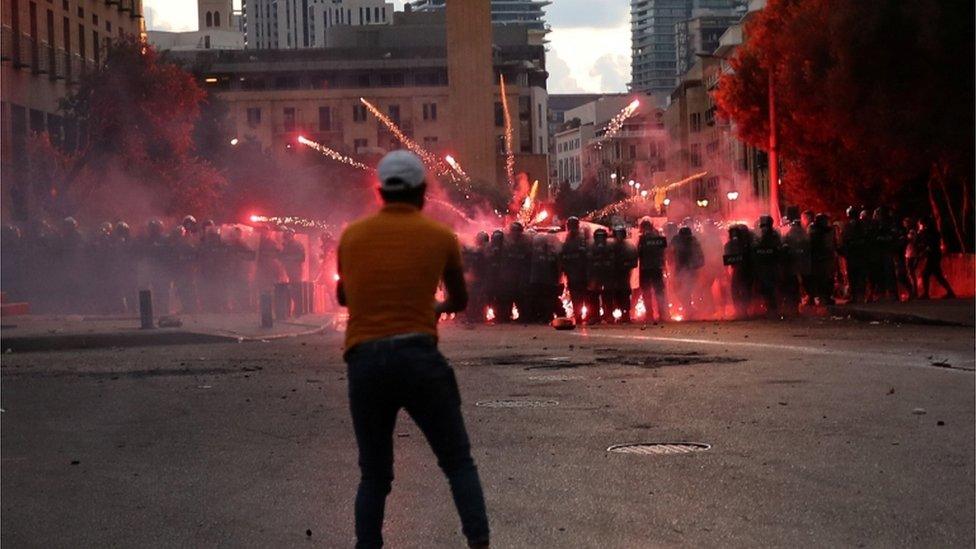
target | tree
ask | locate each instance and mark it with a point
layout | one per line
(137, 117)
(874, 104)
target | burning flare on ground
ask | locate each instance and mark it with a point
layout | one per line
(293, 221)
(333, 154)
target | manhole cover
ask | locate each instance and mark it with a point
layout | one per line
(512, 403)
(659, 448)
(554, 378)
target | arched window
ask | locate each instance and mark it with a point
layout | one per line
(216, 18)
(209, 19)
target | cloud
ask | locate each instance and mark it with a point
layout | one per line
(560, 79)
(613, 72)
(564, 14)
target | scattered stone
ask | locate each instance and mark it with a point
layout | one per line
(919, 411)
(403, 435)
(75, 462)
(940, 423)
(170, 322)
(782, 403)
(308, 532)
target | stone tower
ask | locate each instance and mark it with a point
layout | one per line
(215, 14)
(470, 75)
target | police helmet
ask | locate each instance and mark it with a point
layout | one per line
(481, 237)
(765, 221)
(573, 223)
(69, 223)
(600, 234)
(189, 222)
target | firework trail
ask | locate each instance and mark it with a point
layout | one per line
(452, 208)
(293, 221)
(334, 155)
(617, 207)
(457, 167)
(509, 155)
(617, 122)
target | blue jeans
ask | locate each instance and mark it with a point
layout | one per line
(409, 373)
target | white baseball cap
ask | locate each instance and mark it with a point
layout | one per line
(401, 170)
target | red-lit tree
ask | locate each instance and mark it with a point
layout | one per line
(874, 104)
(136, 155)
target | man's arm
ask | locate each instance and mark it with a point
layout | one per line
(456, 290)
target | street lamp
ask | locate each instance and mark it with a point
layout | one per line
(644, 194)
(234, 142)
(666, 202)
(702, 203)
(631, 183)
(732, 195)
(613, 176)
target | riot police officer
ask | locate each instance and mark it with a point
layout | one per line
(494, 264)
(515, 273)
(651, 247)
(767, 260)
(600, 272)
(624, 262)
(293, 262)
(544, 288)
(823, 260)
(573, 264)
(796, 268)
(688, 260)
(853, 247)
(475, 264)
(737, 256)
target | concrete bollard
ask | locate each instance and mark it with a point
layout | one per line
(146, 309)
(267, 316)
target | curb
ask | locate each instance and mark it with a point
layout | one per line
(135, 338)
(886, 316)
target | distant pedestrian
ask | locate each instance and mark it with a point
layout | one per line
(389, 267)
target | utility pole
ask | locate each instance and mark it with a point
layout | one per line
(773, 161)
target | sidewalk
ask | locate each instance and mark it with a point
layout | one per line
(945, 312)
(62, 332)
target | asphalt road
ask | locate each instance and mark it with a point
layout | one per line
(823, 433)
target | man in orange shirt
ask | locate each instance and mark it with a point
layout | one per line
(390, 265)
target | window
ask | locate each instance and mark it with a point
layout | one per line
(325, 119)
(81, 40)
(499, 115)
(209, 19)
(632, 150)
(394, 112)
(430, 111)
(253, 116)
(539, 113)
(216, 18)
(695, 155)
(359, 113)
(368, 15)
(358, 144)
(430, 141)
(289, 119)
(362, 80)
(696, 122)
(206, 42)
(96, 47)
(108, 26)
(376, 15)
(392, 80)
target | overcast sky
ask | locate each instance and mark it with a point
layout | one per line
(589, 43)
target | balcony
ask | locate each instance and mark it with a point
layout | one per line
(25, 51)
(43, 58)
(7, 44)
(60, 64)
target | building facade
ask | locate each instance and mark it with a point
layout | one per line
(219, 28)
(700, 34)
(274, 96)
(46, 48)
(297, 24)
(503, 12)
(654, 53)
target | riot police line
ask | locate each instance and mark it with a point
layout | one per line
(190, 267)
(700, 269)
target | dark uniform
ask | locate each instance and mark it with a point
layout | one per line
(476, 266)
(823, 260)
(494, 264)
(651, 248)
(737, 256)
(931, 245)
(688, 260)
(624, 262)
(600, 273)
(767, 260)
(853, 246)
(515, 274)
(573, 264)
(544, 287)
(796, 265)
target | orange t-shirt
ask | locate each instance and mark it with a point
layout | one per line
(390, 264)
